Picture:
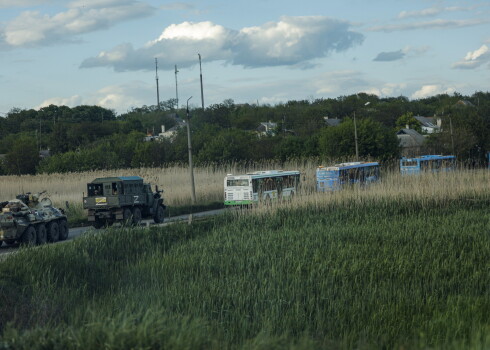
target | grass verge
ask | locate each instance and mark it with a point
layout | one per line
(365, 274)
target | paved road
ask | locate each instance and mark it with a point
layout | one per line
(77, 231)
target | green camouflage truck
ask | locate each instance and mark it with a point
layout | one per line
(124, 199)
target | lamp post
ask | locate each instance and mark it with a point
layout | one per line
(355, 137)
(202, 93)
(191, 169)
(355, 133)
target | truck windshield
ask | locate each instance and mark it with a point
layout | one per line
(94, 189)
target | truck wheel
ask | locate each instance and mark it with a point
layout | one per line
(63, 230)
(53, 232)
(98, 224)
(159, 215)
(42, 235)
(127, 217)
(28, 237)
(136, 215)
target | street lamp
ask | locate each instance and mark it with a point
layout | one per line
(355, 133)
(191, 169)
(202, 93)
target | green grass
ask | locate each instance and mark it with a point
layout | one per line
(366, 275)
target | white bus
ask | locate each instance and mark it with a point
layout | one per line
(260, 186)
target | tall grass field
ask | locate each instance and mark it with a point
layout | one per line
(403, 264)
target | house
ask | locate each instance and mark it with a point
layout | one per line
(429, 125)
(411, 142)
(165, 134)
(267, 129)
(332, 121)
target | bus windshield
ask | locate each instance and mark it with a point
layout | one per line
(238, 182)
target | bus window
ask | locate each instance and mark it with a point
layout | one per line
(255, 185)
(237, 182)
(409, 163)
(269, 184)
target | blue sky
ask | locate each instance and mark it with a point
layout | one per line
(103, 52)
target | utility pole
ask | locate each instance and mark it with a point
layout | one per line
(176, 89)
(156, 76)
(451, 131)
(202, 93)
(191, 169)
(40, 133)
(355, 137)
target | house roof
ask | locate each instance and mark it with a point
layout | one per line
(410, 138)
(269, 125)
(428, 122)
(332, 121)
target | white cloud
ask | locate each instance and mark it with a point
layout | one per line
(292, 41)
(434, 24)
(386, 89)
(400, 54)
(431, 90)
(34, 28)
(119, 98)
(72, 101)
(432, 11)
(474, 59)
(192, 31)
(21, 3)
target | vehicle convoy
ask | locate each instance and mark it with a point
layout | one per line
(29, 220)
(124, 199)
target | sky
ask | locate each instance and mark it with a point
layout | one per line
(102, 52)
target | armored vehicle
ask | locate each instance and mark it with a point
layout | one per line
(28, 220)
(124, 199)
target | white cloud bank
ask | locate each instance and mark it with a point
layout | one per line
(400, 54)
(119, 98)
(33, 28)
(431, 90)
(431, 11)
(474, 59)
(433, 24)
(290, 41)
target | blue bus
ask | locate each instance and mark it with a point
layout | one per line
(432, 163)
(334, 177)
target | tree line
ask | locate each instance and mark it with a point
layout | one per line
(91, 137)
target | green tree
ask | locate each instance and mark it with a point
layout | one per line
(374, 140)
(23, 156)
(409, 120)
(227, 145)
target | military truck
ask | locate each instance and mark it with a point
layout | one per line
(28, 220)
(124, 199)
